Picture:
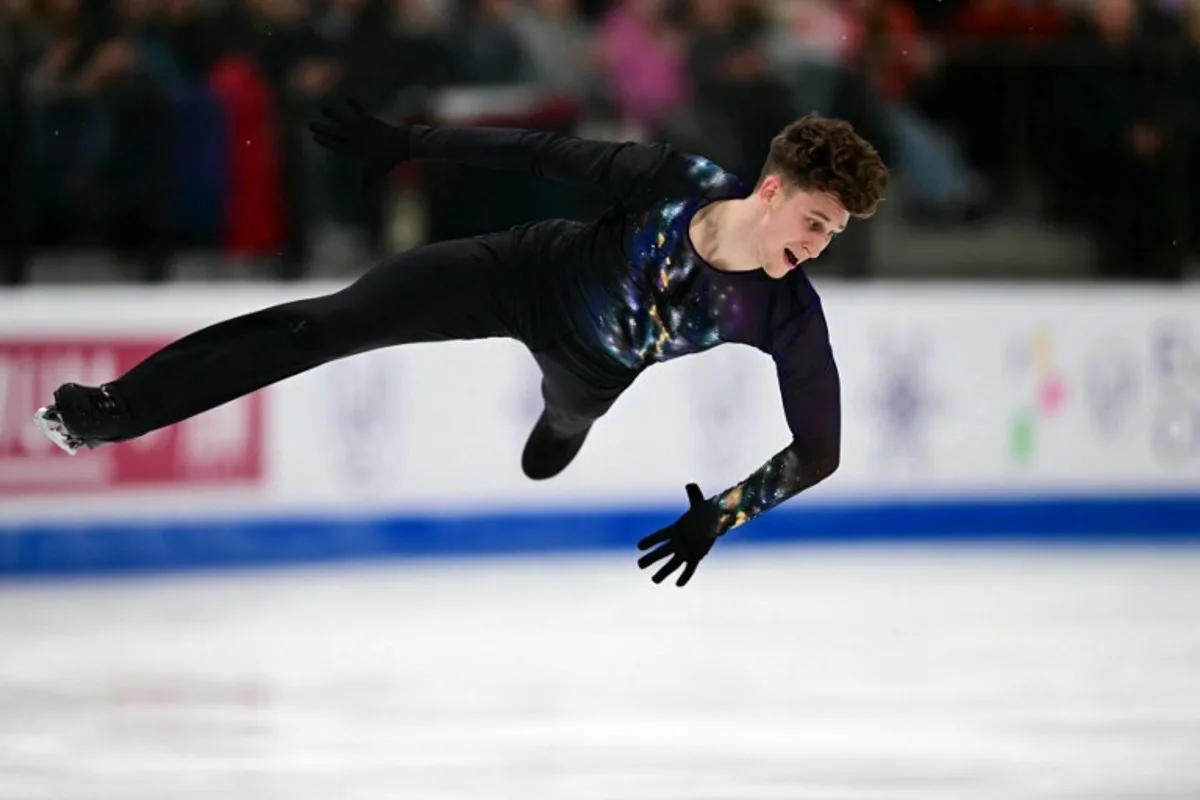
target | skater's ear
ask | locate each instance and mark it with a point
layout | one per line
(772, 189)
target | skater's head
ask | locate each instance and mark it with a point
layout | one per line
(818, 176)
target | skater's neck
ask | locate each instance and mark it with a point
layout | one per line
(723, 234)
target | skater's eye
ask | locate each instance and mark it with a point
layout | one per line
(818, 222)
(817, 226)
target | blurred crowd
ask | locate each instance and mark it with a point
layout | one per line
(151, 126)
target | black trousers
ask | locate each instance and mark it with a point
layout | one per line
(477, 288)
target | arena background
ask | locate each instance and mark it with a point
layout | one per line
(344, 586)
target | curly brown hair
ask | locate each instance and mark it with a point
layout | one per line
(821, 154)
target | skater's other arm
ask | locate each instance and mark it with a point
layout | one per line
(627, 172)
(811, 389)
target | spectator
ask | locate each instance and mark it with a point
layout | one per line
(140, 76)
(486, 47)
(1189, 88)
(97, 91)
(16, 54)
(1112, 160)
(422, 58)
(740, 104)
(883, 39)
(194, 34)
(989, 89)
(372, 50)
(142, 26)
(66, 148)
(644, 58)
(281, 37)
(14, 35)
(561, 49)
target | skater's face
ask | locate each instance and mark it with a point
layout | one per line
(796, 225)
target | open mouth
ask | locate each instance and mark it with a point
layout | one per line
(790, 257)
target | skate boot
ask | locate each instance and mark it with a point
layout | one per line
(546, 453)
(82, 416)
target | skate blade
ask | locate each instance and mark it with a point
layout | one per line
(48, 420)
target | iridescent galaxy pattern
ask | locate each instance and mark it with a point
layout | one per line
(669, 305)
(708, 176)
(772, 483)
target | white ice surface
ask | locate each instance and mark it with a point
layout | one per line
(794, 673)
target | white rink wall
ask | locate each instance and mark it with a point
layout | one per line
(969, 412)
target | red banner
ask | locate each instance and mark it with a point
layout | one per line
(222, 446)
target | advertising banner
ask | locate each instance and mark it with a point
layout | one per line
(947, 392)
(223, 448)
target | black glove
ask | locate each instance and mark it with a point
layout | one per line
(352, 131)
(686, 541)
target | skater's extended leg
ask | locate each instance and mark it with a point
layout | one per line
(572, 405)
(465, 289)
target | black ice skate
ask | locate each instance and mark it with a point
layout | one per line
(82, 416)
(546, 454)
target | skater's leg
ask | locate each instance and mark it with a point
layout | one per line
(572, 405)
(453, 290)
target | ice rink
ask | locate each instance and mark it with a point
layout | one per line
(794, 673)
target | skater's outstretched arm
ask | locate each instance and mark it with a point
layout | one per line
(811, 388)
(812, 404)
(627, 172)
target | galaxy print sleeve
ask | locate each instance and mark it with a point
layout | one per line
(629, 173)
(811, 389)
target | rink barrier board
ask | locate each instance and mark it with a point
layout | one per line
(83, 548)
(1079, 405)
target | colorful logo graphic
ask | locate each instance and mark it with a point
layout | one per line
(1036, 358)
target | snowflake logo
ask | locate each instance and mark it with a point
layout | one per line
(902, 400)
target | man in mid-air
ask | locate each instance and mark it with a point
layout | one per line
(687, 257)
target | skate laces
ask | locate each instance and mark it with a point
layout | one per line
(104, 401)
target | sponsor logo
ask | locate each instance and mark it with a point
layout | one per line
(363, 402)
(1035, 360)
(1110, 386)
(902, 399)
(1175, 419)
(222, 446)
